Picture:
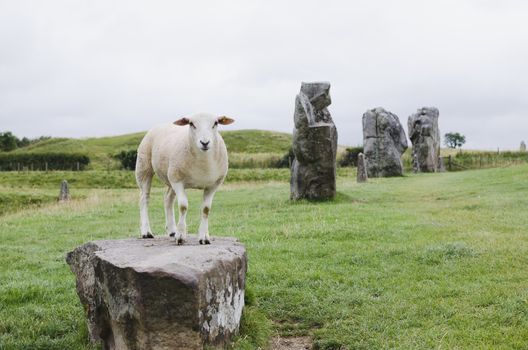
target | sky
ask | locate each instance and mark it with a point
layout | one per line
(101, 67)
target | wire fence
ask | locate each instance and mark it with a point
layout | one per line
(483, 160)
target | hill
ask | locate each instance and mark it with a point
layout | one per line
(101, 149)
(257, 141)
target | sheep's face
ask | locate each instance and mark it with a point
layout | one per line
(203, 129)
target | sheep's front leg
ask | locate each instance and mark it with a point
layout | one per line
(203, 231)
(181, 227)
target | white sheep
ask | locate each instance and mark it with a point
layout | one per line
(190, 153)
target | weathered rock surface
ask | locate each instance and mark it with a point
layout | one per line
(64, 194)
(441, 165)
(425, 138)
(362, 175)
(522, 148)
(157, 295)
(313, 171)
(384, 142)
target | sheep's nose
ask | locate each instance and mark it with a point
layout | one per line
(204, 144)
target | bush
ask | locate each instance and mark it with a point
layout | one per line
(43, 161)
(127, 159)
(350, 156)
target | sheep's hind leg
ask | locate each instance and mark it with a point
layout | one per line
(170, 224)
(203, 231)
(181, 228)
(144, 181)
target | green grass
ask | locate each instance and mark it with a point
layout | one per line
(257, 141)
(12, 202)
(269, 144)
(254, 160)
(126, 179)
(419, 262)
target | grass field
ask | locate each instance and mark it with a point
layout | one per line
(420, 262)
(11, 201)
(126, 179)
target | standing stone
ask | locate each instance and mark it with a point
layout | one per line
(157, 295)
(425, 138)
(384, 142)
(523, 147)
(441, 165)
(64, 194)
(361, 168)
(313, 171)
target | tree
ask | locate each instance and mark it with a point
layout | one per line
(8, 141)
(127, 159)
(23, 142)
(454, 139)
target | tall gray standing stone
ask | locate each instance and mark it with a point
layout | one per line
(157, 295)
(384, 142)
(362, 175)
(313, 171)
(425, 138)
(523, 146)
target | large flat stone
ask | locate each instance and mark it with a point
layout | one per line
(154, 294)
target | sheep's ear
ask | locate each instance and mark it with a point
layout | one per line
(225, 120)
(182, 121)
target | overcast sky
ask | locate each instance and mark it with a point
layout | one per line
(92, 68)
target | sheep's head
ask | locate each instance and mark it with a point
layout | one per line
(203, 129)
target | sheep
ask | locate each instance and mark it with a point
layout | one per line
(190, 153)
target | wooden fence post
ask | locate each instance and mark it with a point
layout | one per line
(449, 162)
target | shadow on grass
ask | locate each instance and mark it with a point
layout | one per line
(338, 199)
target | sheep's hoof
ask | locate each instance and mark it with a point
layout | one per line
(172, 234)
(207, 241)
(200, 241)
(180, 241)
(148, 235)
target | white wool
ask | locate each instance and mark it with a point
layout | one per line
(182, 156)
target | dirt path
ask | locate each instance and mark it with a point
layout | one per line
(291, 343)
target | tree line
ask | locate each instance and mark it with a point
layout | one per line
(10, 142)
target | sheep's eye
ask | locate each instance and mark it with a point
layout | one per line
(192, 125)
(215, 124)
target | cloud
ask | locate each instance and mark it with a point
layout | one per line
(76, 68)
